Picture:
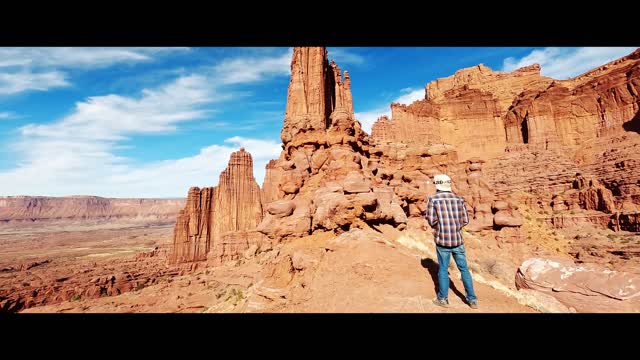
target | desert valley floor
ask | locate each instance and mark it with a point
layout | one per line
(370, 271)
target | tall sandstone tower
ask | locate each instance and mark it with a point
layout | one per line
(216, 221)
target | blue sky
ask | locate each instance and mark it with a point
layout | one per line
(151, 122)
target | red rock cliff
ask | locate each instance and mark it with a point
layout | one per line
(479, 111)
(599, 103)
(464, 110)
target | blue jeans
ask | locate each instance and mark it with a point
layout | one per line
(444, 255)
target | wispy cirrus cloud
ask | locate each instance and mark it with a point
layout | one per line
(112, 117)
(86, 168)
(40, 69)
(249, 69)
(345, 56)
(563, 63)
(78, 57)
(25, 80)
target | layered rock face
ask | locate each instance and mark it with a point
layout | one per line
(599, 103)
(41, 208)
(595, 186)
(464, 110)
(586, 125)
(616, 163)
(552, 184)
(330, 178)
(479, 111)
(539, 172)
(217, 221)
(504, 87)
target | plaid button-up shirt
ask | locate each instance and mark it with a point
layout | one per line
(447, 214)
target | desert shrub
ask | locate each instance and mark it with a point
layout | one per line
(235, 296)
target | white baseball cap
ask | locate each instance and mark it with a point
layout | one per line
(442, 182)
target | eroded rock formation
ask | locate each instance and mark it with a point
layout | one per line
(320, 182)
(329, 176)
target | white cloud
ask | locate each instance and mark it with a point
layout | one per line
(344, 56)
(86, 168)
(6, 115)
(77, 153)
(112, 117)
(250, 69)
(174, 177)
(28, 69)
(564, 63)
(410, 96)
(368, 118)
(13, 83)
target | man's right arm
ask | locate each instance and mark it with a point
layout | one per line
(463, 213)
(432, 216)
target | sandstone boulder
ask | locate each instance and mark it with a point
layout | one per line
(587, 288)
(355, 182)
(281, 208)
(306, 259)
(508, 218)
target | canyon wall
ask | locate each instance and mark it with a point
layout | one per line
(41, 208)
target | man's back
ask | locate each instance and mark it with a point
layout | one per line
(447, 214)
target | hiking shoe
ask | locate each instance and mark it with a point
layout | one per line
(473, 304)
(441, 302)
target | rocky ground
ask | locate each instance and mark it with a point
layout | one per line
(51, 262)
(108, 270)
(360, 271)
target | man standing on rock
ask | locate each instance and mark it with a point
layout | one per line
(447, 215)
